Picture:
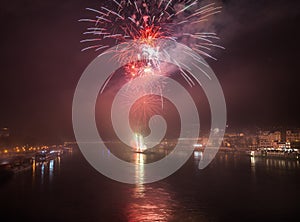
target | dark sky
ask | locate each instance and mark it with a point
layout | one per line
(41, 63)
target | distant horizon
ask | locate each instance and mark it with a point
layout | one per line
(30, 139)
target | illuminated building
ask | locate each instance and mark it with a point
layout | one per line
(268, 139)
(293, 136)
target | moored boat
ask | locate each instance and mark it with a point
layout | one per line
(274, 153)
(46, 155)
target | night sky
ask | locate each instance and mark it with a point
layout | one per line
(41, 63)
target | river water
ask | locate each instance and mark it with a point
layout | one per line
(234, 187)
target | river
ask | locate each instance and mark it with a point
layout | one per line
(234, 187)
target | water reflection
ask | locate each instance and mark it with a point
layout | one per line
(282, 164)
(42, 172)
(198, 155)
(51, 168)
(149, 203)
(58, 163)
(252, 159)
(190, 195)
(45, 170)
(33, 171)
(273, 163)
(140, 160)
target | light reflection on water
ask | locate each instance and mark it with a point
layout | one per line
(51, 169)
(148, 203)
(234, 184)
(45, 170)
(273, 163)
(158, 204)
(140, 160)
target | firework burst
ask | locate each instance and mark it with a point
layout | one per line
(140, 25)
(145, 21)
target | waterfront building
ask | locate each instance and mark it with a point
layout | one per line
(293, 136)
(268, 139)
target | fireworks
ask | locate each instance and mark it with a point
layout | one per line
(140, 25)
(145, 21)
(139, 145)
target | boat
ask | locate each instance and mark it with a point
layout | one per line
(44, 155)
(274, 153)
